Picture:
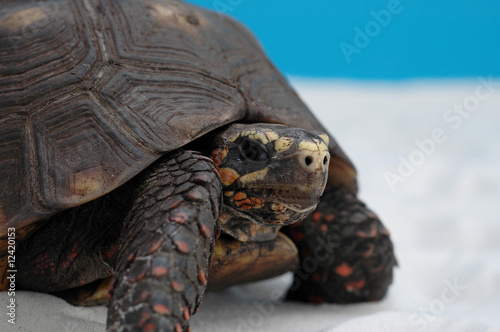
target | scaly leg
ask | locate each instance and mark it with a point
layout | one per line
(167, 245)
(345, 252)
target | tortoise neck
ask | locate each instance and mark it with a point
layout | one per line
(244, 229)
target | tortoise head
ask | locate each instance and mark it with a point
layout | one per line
(272, 175)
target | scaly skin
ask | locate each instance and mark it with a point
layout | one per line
(167, 246)
(345, 251)
(75, 247)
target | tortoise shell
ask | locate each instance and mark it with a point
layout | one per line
(92, 92)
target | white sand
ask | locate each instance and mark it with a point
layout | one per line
(444, 220)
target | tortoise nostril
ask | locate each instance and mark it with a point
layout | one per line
(309, 160)
(325, 160)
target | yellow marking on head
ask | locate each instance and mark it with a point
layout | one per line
(246, 133)
(254, 176)
(255, 135)
(258, 136)
(234, 138)
(271, 136)
(261, 137)
(325, 138)
(313, 145)
(228, 176)
(229, 193)
(283, 144)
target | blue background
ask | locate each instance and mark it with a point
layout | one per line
(427, 39)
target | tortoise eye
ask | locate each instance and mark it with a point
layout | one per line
(253, 151)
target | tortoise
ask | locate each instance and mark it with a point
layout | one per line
(149, 149)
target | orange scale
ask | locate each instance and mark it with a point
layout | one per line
(354, 286)
(344, 270)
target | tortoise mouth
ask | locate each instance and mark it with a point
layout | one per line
(294, 198)
(272, 206)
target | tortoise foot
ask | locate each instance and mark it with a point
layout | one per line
(345, 251)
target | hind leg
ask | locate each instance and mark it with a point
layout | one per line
(345, 252)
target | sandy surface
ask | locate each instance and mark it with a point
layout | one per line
(443, 213)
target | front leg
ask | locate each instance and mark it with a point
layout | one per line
(345, 251)
(167, 244)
